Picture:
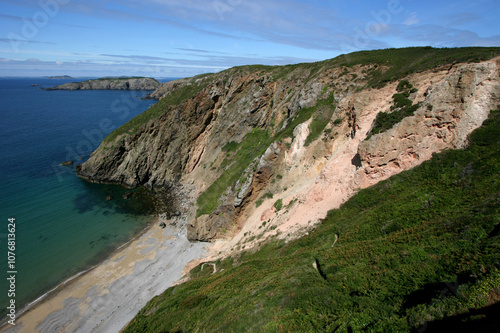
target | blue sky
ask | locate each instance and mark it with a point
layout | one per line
(178, 38)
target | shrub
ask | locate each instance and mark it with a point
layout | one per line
(403, 107)
(278, 204)
(230, 146)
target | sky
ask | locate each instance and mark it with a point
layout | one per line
(180, 38)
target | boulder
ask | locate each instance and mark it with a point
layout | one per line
(207, 228)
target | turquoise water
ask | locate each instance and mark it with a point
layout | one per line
(63, 224)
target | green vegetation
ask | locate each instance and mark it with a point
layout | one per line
(401, 62)
(278, 204)
(231, 146)
(253, 145)
(268, 195)
(321, 118)
(337, 121)
(403, 107)
(420, 250)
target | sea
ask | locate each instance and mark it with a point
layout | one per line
(54, 225)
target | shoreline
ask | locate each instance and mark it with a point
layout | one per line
(106, 296)
(54, 290)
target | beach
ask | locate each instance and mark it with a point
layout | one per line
(109, 295)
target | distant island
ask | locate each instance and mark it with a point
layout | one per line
(59, 77)
(111, 83)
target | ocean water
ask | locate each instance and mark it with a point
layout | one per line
(63, 225)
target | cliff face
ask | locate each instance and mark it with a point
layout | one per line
(164, 149)
(111, 84)
(283, 145)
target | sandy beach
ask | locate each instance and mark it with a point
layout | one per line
(108, 296)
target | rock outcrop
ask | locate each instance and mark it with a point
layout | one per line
(140, 83)
(296, 134)
(450, 110)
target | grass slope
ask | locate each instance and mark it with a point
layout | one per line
(419, 251)
(401, 62)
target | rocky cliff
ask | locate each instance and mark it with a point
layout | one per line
(139, 83)
(285, 144)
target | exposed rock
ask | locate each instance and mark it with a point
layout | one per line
(300, 134)
(177, 141)
(143, 83)
(67, 163)
(450, 111)
(184, 144)
(108, 198)
(245, 188)
(167, 88)
(207, 228)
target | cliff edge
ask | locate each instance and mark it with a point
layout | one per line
(285, 144)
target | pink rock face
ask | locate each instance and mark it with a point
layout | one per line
(458, 106)
(454, 107)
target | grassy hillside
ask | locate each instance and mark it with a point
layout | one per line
(401, 62)
(417, 252)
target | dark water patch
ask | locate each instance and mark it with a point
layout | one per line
(114, 199)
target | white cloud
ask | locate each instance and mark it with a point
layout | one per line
(411, 20)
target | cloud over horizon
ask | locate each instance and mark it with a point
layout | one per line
(213, 35)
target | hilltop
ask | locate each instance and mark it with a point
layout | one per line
(253, 158)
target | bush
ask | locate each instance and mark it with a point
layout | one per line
(404, 85)
(230, 146)
(403, 107)
(278, 204)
